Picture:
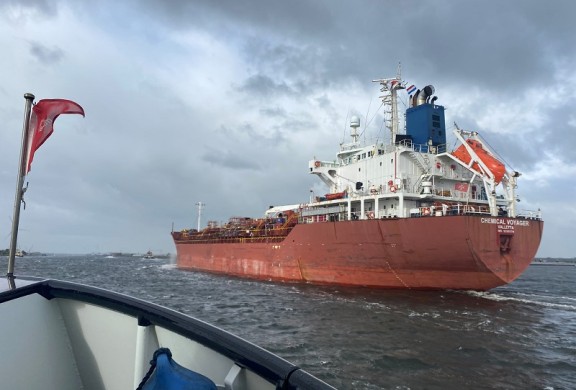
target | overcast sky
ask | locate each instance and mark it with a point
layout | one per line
(224, 102)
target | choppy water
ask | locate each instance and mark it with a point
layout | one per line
(521, 336)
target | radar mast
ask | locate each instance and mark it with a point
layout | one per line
(390, 87)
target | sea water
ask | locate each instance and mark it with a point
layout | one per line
(520, 336)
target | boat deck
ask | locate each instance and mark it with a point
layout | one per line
(98, 339)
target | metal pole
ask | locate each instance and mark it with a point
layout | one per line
(200, 205)
(19, 186)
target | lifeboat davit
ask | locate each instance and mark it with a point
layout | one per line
(495, 166)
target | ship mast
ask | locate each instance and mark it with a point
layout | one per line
(390, 87)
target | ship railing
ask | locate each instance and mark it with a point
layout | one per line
(452, 193)
(423, 148)
(235, 240)
(270, 232)
(530, 214)
(440, 209)
(328, 164)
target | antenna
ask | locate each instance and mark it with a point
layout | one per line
(200, 207)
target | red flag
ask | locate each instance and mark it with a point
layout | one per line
(44, 113)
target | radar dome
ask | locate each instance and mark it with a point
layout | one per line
(354, 121)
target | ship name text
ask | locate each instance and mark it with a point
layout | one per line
(503, 221)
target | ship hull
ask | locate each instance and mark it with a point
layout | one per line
(450, 252)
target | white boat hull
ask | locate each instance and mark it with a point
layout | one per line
(59, 335)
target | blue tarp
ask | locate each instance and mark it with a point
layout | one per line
(169, 375)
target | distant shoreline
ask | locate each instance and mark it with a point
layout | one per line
(553, 263)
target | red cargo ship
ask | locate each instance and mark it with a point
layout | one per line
(407, 214)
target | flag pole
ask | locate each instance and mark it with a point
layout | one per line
(20, 185)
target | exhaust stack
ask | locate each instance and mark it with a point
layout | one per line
(423, 95)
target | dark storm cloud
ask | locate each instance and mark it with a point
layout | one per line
(497, 45)
(500, 45)
(44, 54)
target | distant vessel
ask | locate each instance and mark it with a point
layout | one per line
(149, 255)
(407, 214)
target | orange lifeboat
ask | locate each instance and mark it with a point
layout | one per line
(336, 195)
(495, 166)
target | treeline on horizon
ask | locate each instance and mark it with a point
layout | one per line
(6, 252)
(545, 259)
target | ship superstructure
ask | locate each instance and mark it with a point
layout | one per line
(415, 175)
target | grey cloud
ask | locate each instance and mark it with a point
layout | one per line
(273, 112)
(266, 87)
(228, 159)
(44, 54)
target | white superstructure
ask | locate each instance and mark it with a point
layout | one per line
(414, 174)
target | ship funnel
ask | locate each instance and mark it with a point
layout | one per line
(424, 94)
